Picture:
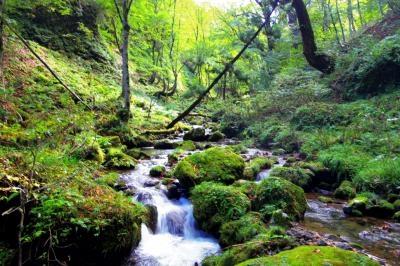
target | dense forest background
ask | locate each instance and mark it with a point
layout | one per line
(63, 140)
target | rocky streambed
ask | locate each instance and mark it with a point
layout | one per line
(174, 239)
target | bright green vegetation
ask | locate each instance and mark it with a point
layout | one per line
(255, 166)
(313, 255)
(299, 176)
(277, 193)
(216, 204)
(215, 164)
(60, 160)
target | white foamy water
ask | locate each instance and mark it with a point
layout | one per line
(176, 241)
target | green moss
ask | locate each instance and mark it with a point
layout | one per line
(187, 145)
(255, 166)
(396, 216)
(345, 190)
(214, 164)
(298, 176)
(117, 159)
(282, 194)
(215, 204)
(372, 205)
(313, 255)
(216, 136)
(242, 230)
(157, 171)
(6, 255)
(325, 199)
(396, 205)
(109, 179)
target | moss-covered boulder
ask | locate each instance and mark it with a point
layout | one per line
(215, 204)
(215, 164)
(242, 230)
(345, 190)
(196, 134)
(260, 246)
(255, 166)
(216, 136)
(158, 171)
(370, 204)
(187, 145)
(313, 255)
(117, 159)
(283, 195)
(298, 176)
(165, 145)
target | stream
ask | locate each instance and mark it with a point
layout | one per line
(176, 241)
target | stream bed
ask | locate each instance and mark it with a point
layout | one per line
(176, 241)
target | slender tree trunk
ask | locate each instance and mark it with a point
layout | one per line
(123, 14)
(340, 21)
(360, 13)
(350, 17)
(322, 62)
(334, 24)
(2, 5)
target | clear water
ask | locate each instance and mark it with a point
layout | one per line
(177, 241)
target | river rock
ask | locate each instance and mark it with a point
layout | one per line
(153, 217)
(216, 136)
(151, 183)
(165, 145)
(144, 197)
(174, 191)
(196, 134)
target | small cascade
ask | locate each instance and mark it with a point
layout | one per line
(176, 241)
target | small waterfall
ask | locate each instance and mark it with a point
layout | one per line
(177, 241)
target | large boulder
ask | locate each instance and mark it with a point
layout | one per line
(298, 176)
(215, 204)
(281, 194)
(215, 164)
(196, 134)
(313, 255)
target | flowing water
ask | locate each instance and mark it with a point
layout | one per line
(176, 241)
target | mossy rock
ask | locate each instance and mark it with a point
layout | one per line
(216, 136)
(279, 218)
(242, 230)
(325, 199)
(165, 145)
(396, 205)
(117, 159)
(345, 190)
(313, 255)
(91, 152)
(216, 204)
(247, 187)
(278, 152)
(255, 166)
(251, 249)
(298, 176)
(215, 164)
(109, 179)
(196, 134)
(157, 171)
(187, 145)
(283, 194)
(370, 204)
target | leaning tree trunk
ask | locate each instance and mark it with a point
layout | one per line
(321, 62)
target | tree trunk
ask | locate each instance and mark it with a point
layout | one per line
(2, 5)
(334, 24)
(293, 25)
(321, 62)
(350, 17)
(340, 21)
(360, 13)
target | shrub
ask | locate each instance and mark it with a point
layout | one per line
(216, 204)
(283, 195)
(379, 176)
(215, 164)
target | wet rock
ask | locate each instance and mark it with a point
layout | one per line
(151, 183)
(165, 145)
(131, 191)
(144, 197)
(322, 242)
(196, 134)
(216, 136)
(175, 222)
(152, 217)
(174, 191)
(157, 171)
(343, 245)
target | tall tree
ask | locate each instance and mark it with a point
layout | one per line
(322, 62)
(267, 8)
(123, 8)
